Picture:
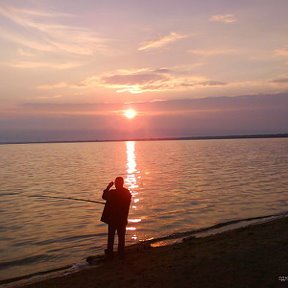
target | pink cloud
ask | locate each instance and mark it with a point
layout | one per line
(224, 18)
(162, 41)
(154, 80)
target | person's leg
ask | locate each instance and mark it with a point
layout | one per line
(111, 236)
(121, 231)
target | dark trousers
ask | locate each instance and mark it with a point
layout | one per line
(121, 230)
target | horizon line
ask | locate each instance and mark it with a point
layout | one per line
(212, 137)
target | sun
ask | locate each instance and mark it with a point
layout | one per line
(130, 113)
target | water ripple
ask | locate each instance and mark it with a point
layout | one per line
(176, 185)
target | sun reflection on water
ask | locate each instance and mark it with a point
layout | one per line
(132, 183)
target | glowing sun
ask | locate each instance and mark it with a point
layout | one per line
(130, 113)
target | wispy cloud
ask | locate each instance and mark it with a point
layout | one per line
(283, 52)
(25, 52)
(151, 80)
(32, 12)
(281, 80)
(23, 41)
(49, 65)
(224, 18)
(57, 96)
(45, 32)
(53, 86)
(161, 42)
(213, 52)
(140, 81)
(279, 84)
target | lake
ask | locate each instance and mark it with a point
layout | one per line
(176, 186)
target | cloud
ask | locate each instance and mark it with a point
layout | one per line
(140, 81)
(133, 79)
(50, 96)
(59, 85)
(176, 79)
(22, 40)
(281, 52)
(162, 70)
(43, 31)
(25, 52)
(259, 86)
(161, 42)
(37, 13)
(224, 18)
(147, 80)
(37, 65)
(262, 101)
(280, 80)
(211, 83)
(250, 114)
(213, 52)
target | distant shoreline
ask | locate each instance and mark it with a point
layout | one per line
(223, 137)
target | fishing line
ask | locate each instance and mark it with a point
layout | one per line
(66, 198)
(53, 197)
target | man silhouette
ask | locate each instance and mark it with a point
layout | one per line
(115, 214)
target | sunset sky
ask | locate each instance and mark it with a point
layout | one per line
(69, 68)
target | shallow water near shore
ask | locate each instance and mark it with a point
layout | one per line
(168, 240)
(176, 186)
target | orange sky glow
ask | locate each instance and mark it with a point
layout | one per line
(187, 68)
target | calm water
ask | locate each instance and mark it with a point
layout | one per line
(176, 186)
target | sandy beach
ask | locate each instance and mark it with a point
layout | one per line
(254, 256)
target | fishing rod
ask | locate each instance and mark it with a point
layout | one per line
(66, 198)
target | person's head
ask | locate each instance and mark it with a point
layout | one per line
(119, 182)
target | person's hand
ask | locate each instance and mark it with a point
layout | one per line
(110, 184)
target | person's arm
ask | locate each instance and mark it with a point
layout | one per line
(105, 192)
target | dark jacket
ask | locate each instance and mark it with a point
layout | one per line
(116, 207)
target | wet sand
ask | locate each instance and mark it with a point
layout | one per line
(254, 256)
